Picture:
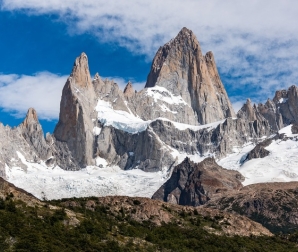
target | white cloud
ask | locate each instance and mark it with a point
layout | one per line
(41, 91)
(253, 41)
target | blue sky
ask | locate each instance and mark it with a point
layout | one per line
(255, 46)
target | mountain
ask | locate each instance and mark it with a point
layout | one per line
(107, 139)
(280, 112)
(195, 184)
(125, 224)
(181, 68)
(274, 205)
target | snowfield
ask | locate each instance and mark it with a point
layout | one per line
(54, 183)
(280, 166)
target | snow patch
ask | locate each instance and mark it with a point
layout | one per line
(96, 131)
(119, 119)
(162, 94)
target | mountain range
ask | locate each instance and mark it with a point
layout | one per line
(177, 140)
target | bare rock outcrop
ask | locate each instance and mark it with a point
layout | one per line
(129, 90)
(158, 213)
(33, 134)
(75, 126)
(195, 184)
(294, 128)
(287, 104)
(274, 205)
(250, 112)
(282, 110)
(180, 67)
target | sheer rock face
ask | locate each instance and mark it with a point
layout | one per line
(109, 91)
(195, 184)
(33, 134)
(269, 112)
(129, 91)
(180, 67)
(250, 112)
(75, 126)
(287, 104)
(25, 143)
(294, 128)
(282, 110)
(152, 149)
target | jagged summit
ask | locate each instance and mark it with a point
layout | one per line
(31, 117)
(129, 90)
(80, 72)
(77, 105)
(180, 67)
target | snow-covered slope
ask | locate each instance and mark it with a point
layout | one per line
(54, 182)
(281, 165)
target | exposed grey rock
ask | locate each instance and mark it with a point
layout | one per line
(181, 68)
(33, 134)
(129, 91)
(259, 150)
(152, 149)
(287, 104)
(77, 115)
(269, 112)
(250, 112)
(282, 110)
(195, 184)
(294, 128)
(23, 142)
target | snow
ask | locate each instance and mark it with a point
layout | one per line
(279, 166)
(119, 119)
(128, 122)
(56, 183)
(162, 94)
(96, 131)
(209, 126)
(103, 180)
(282, 100)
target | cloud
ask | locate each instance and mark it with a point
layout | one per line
(41, 91)
(253, 41)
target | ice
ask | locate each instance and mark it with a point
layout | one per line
(119, 119)
(56, 183)
(130, 123)
(279, 166)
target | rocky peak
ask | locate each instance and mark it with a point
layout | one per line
(288, 104)
(32, 132)
(31, 117)
(75, 126)
(196, 183)
(96, 76)
(247, 111)
(129, 90)
(181, 68)
(80, 72)
(250, 112)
